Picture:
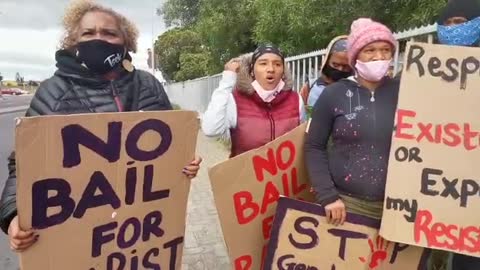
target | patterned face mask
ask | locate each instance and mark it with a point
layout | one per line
(465, 34)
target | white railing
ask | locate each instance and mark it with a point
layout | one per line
(195, 94)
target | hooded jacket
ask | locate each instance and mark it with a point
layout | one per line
(329, 50)
(74, 90)
(469, 9)
(222, 115)
(360, 124)
(319, 85)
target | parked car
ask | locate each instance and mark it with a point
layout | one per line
(13, 91)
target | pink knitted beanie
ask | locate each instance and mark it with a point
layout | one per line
(363, 32)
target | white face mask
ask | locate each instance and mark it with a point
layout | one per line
(373, 71)
(267, 95)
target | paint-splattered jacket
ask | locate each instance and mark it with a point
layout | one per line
(360, 124)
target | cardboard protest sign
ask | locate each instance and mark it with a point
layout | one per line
(433, 183)
(105, 191)
(302, 239)
(246, 190)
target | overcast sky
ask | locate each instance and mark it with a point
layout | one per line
(30, 31)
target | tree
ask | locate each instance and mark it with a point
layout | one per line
(171, 45)
(32, 83)
(192, 66)
(294, 26)
(309, 25)
(226, 28)
(18, 79)
(180, 12)
(404, 14)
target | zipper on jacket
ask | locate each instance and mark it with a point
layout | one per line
(116, 97)
(372, 98)
(374, 106)
(272, 122)
(374, 109)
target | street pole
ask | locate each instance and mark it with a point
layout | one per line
(154, 12)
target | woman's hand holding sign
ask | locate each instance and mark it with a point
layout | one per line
(335, 213)
(20, 240)
(191, 169)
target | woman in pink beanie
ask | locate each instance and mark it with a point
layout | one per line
(358, 115)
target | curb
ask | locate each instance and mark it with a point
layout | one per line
(13, 109)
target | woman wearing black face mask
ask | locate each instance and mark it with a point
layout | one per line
(94, 75)
(333, 69)
(94, 60)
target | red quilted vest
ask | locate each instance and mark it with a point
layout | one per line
(259, 122)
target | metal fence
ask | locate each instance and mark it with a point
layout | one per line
(195, 94)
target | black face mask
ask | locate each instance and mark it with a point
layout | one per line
(100, 56)
(335, 74)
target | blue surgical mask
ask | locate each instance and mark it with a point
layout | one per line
(465, 34)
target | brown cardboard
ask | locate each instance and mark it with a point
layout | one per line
(302, 239)
(436, 98)
(237, 178)
(70, 245)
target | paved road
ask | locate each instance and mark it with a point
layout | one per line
(204, 246)
(9, 102)
(8, 260)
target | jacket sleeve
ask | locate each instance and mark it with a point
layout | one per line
(43, 103)
(302, 110)
(8, 201)
(315, 93)
(161, 96)
(150, 94)
(46, 97)
(318, 134)
(221, 114)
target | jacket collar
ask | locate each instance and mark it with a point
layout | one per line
(69, 67)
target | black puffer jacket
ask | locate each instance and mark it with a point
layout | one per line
(73, 90)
